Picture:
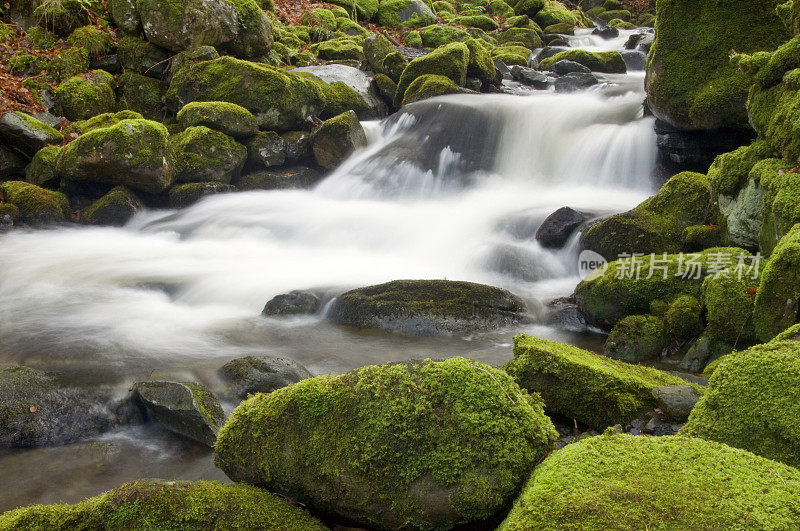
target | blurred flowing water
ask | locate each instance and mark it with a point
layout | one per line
(454, 187)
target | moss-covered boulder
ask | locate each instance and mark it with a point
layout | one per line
(188, 409)
(37, 410)
(184, 195)
(440, 34)
(752, 402)
(636, 338)
(428, 86)
(691, 82)
(364, 10)
(336, 139)
(142, 94)
(115, 208)
(682, 320)
(26, 133)
(428, 307)
(246, 376)
(729, 301)
(101, 120)
(607, 62)
(160, 504)
(581, 385)
(778, 296)
(85, 95)
(618, 481)
(528, 37)
(229, 118)
(511, 55)
(142, 57)
(398, 13)
(265, 150)
(35, 205)
(450, 61)
(476, 21)
(555, 12)
(343, 49)
(283, 178)
(420, 444)
(132, 153)
(43, 168)
(200, 154)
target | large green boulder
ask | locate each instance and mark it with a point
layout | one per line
(419, 445)
(132, 153)
(585, 386)
(428, 86)
(607, 62)
(691, 82)
(636, 338)
(440, 34)
(778, 296)
(35, 205)
(142, 94)
(85, 95)
(752, 402)
(365, 10)
(101, 120)
(428, 307)
(398, 13)
(555, 13)
(159, 504)
(336, 139)
(200, 154)
(228, 118)
(115, 208)
(450, 61)
(620, 482)
(43, 168)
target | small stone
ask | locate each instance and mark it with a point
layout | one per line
(676, 401)
(529, 76)
(293, 303)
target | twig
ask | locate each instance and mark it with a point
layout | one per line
(495, 381)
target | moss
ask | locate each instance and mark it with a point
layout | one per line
(617, 14)
(184, 195)
(752, 402)
(617, 292)
(68, 63)
(555, 13)
(101, 120)
(778, 296)
(365, 10)
(413, 39)
(691, 82)
(449, 61)
(682, 319)
(608, 62)
(728, 174)
(351, 27)
(621, 24)
(40, 39)
(530, 38)
(200, 154)
(81, 97)
(579, 384)
(698, 237)
(636, 338)
(36, 205)
(439, 7)
(528, 7)
(146, 58)
(480, 63)
(441, 34)
(422, 444)
(93, 39)
(729, 303)
(619, 482)
(499, 8)
(393, 65)
(386, 87)
(159, 504)
(476, 21)
(43, 169)
(115, 208)
(403, 13)
(511, 55)
(340, 49)
(229, 118)
(428, 86)
(22, 63)
(560, 28)
(319, 17)
(142, 94)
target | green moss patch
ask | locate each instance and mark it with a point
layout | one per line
(607, 62)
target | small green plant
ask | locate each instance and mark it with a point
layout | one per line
(7, 31)
(25, 63)
(40, 39)
(93, 39)
(472, 11)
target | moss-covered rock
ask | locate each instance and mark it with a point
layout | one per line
(691, 82)
(26, 133)
(528, 7)
(410, 13)
(500, 8)
(629, 286)
(529, 38)
(68, 63)
(423, 445)
(336, 139)
(143, 57)
(607, 62)
(682, 318)
(84, 96)
(101, 120)
(440, 34)
(582, 385)
(555, 13)
(365, 10)
(284, 178)
(428, 86)
(160, 504)
(319, 17)
(200, 154)
(778, 296)
(93, 39)
(636, 338)
(115, 208)
(562, 28)
(43, 168)
(132, 153)
(184, 195)
(342, 49)
(449, 61)
(36, 205)
(752, 402)
(511, 55)
(228, 118)
(142, 94)
(266, 149)
(428, 307)
(612, 481)
(729, 300)
(476, 21)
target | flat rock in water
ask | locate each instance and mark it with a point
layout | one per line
(676, 401)
(575, 82)
(565, 66)
(529, 76)
(246, 376)
(296, 302)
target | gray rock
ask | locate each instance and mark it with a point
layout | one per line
(295, 302)
(188, 409)
(298, 145)
(115, 208)
(676, 401)
(531, 77)
(354, 78)
(11, 163)
(569, 318)
(565, 66)
(634, 60)
(501, 67)
(184, 195)
(606, 33)
(245, 376)
(292, 177)
(110, 63)
(556, 229)
(336, 139)
(575, 82)
(266, 149)
(744, 215)
(143, 57)
(26, 133)
(640, 41)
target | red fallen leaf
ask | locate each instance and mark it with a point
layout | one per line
(430, 300)
(713, 226)
(33, 409)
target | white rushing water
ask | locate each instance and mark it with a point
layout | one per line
(453, 188)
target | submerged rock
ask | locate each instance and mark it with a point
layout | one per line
(161, 504)
(529, 76)
(184, 195)
(336, 139)
(250, 375)
(423, 445)
(574, 82)
(188, 409)
(556, 229)
(291, 177)
(293, 303)
(610, 481)
(421, 307)
(565, 66)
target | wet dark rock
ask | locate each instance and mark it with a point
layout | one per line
(109, 63)
(634, 60)
(428, 307)
(336, 139)
(606, 33)
(676, 401)
(188, 409)
(575, 81)
(115, 208)
(568, 317)
(246, 376)
(292, 177)
(558, 227)
(11, 163)
(297, 302)
(184, 195)
(548, 51)
(503, 69)
(517, 261)
(26, 133)
(530, 77)
(640, 41)
(266, 149)
(298, 145)
(565, 66)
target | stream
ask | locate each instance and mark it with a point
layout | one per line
(453, 187)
